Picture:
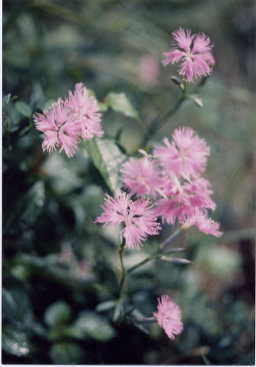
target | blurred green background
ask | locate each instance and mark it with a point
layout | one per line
(58, 266)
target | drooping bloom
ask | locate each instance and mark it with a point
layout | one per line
(168, 316)
(59, 129)
(68, 120)
(141, 176)
(137, 218)
(85, 110)
(186, 156)
(193, 51)
(205, 224)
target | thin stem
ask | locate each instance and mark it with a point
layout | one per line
(141, 263)
(170, 238)
(158, 253)
(146, 320)
(123, 271)
(157, 123)
(122, 282)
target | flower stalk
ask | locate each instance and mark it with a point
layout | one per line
(122, 282)
(159, 122)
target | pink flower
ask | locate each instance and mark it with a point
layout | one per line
(193, 51)
(137, 218)
(168, 316)
(186, 156)
(141, 176)
(60, 131)
(199, 194)
(85, 110)
(203, 222)
(181, 200)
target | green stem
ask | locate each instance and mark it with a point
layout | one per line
(122, 282)
(157, 123)
(141, 263)
(170, 238)
(123, 271)
(146, 320)
(158, 253)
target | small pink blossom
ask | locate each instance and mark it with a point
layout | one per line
(194, 51)
(60, 130)
(168, 316)
(180, 200)
(141, 176)
(199, 193)
(137, 218)
(186, 156)
(203, 222)
(85, 110)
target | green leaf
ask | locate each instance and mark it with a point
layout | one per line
(108, 158)
(6, 100)
(15, 342)
(93, 326)
(66, 353)
(57, 313)
(9, 305)
(105, 306)
(119, 102)
(11, 116)
(103, 106)
(34, 203)
(17, 308)
(23, 108)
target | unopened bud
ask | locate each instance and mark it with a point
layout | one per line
(176, 260)
(197, 100)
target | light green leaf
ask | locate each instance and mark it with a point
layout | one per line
(9, 305)
(15, 342)
(6, 100)
(120, 103)
(103, 106)
(66, 353)
(57, 313)
(107, 158)
(93, 326)
(23, 108)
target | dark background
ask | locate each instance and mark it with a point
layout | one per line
(57, 264)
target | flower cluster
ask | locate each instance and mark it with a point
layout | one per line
(172, 177)
(69, 120)
(193, 51)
